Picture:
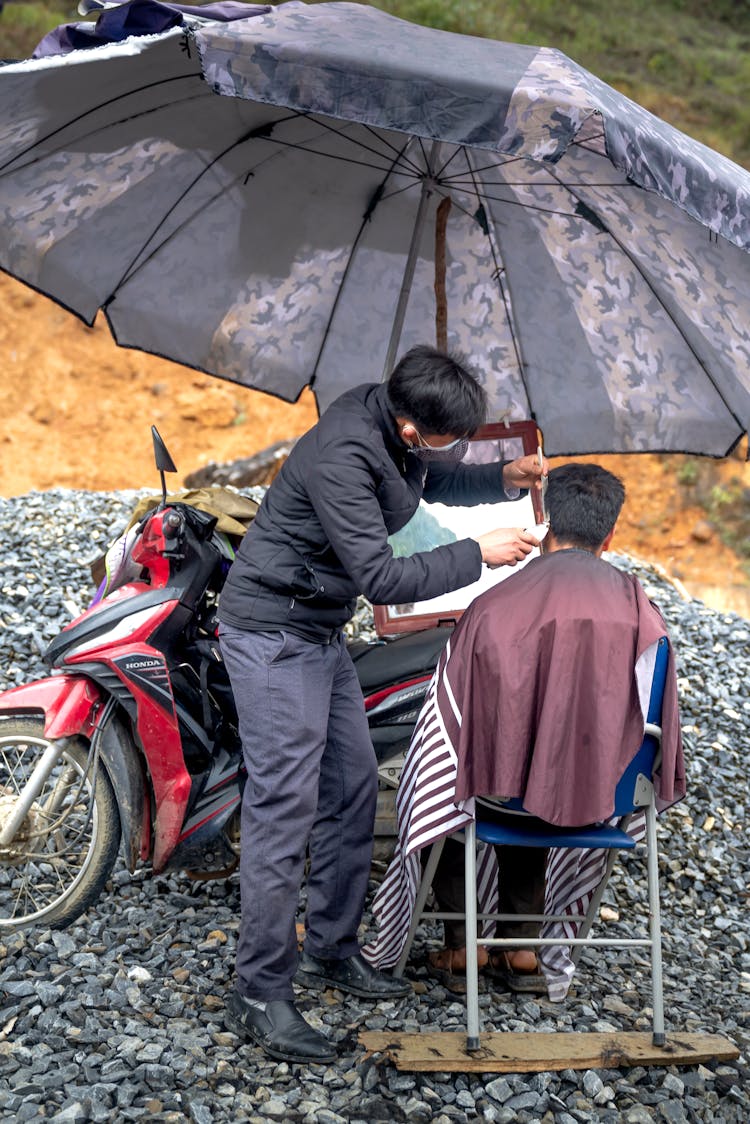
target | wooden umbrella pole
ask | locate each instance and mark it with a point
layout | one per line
(441, 302)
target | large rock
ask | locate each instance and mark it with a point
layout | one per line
(245, 473)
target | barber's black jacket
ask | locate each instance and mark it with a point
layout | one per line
(320, 537)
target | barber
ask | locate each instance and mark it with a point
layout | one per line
(319, 539)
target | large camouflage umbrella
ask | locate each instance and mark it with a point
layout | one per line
(259, 199)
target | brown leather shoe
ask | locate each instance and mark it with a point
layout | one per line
(518, 969)
(448, 965)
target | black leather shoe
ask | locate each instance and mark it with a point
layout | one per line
(280, 1030)
(353, 975)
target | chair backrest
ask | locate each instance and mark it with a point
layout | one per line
(645, 758)
(642, 763)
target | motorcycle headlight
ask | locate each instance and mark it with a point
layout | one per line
(121, 630)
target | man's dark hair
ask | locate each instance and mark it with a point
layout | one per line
(584, 501)
(438, 392)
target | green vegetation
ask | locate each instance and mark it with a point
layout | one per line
(686, 60)
(728, 508)
(22, 25)
(724, 499)
(687, 473)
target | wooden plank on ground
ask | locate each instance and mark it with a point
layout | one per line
(533, 1052)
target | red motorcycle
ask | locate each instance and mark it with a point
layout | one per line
(133, 739)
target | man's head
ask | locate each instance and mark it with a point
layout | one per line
(434, 394)
(584, 502)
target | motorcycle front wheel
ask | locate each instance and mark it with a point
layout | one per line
(64, 848)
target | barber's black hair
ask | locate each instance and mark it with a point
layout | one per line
(584, 501)
(437, 391)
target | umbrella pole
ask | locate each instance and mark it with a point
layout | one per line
(428, 186)
(441, 300)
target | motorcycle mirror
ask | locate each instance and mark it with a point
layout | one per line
(164, 462)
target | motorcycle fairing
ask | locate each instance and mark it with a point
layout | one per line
(152, 709)
(149, 673)
(136, 674)
(202, 841)
(74, 705)
(100, 619)
(69, 704)
(412, 655)
(388, 704)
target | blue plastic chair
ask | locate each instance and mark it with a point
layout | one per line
(634, 792)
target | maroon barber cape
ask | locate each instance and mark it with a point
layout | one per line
(521, 717)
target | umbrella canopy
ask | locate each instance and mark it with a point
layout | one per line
(259, 199)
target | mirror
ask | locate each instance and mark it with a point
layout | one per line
(164, 462)
(435, 524)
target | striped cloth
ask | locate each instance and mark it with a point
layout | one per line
(427, 812)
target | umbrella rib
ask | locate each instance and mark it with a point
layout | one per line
(512, 202)
(543, 164)
(377, 198)
(334, 156)
(401, 153)
(500, 164)
(456, 181)
(451, 158)
(507, 304)
(605, 229)
(425, 157)
(131, 270)
(102, 105)
(587, 145)
(365, 147)
(398, 191)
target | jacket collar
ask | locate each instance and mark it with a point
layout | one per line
(380, 410)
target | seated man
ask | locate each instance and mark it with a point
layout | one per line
(540, 694)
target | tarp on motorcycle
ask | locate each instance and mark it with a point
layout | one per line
(234, 513)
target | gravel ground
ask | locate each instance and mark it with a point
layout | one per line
(119, 1017)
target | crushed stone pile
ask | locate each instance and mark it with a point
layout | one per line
(119, 1017)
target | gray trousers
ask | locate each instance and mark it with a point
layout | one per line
(521, 886)
(312, 785)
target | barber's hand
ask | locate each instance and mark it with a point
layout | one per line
(525, 472)
(506, 546)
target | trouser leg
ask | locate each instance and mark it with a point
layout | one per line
(521, 877)
(282, 687)
(448, 887)
(342, 837)
(521, 884)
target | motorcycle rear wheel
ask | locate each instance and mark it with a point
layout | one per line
(66, 846)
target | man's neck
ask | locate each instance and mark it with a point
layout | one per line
(551, 545)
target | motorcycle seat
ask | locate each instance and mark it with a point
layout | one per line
(406, 657)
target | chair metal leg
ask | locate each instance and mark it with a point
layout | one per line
(470, 909)
(586, 925)
(424, 888)
(657, 990)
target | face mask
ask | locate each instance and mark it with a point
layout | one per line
(448, 454)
